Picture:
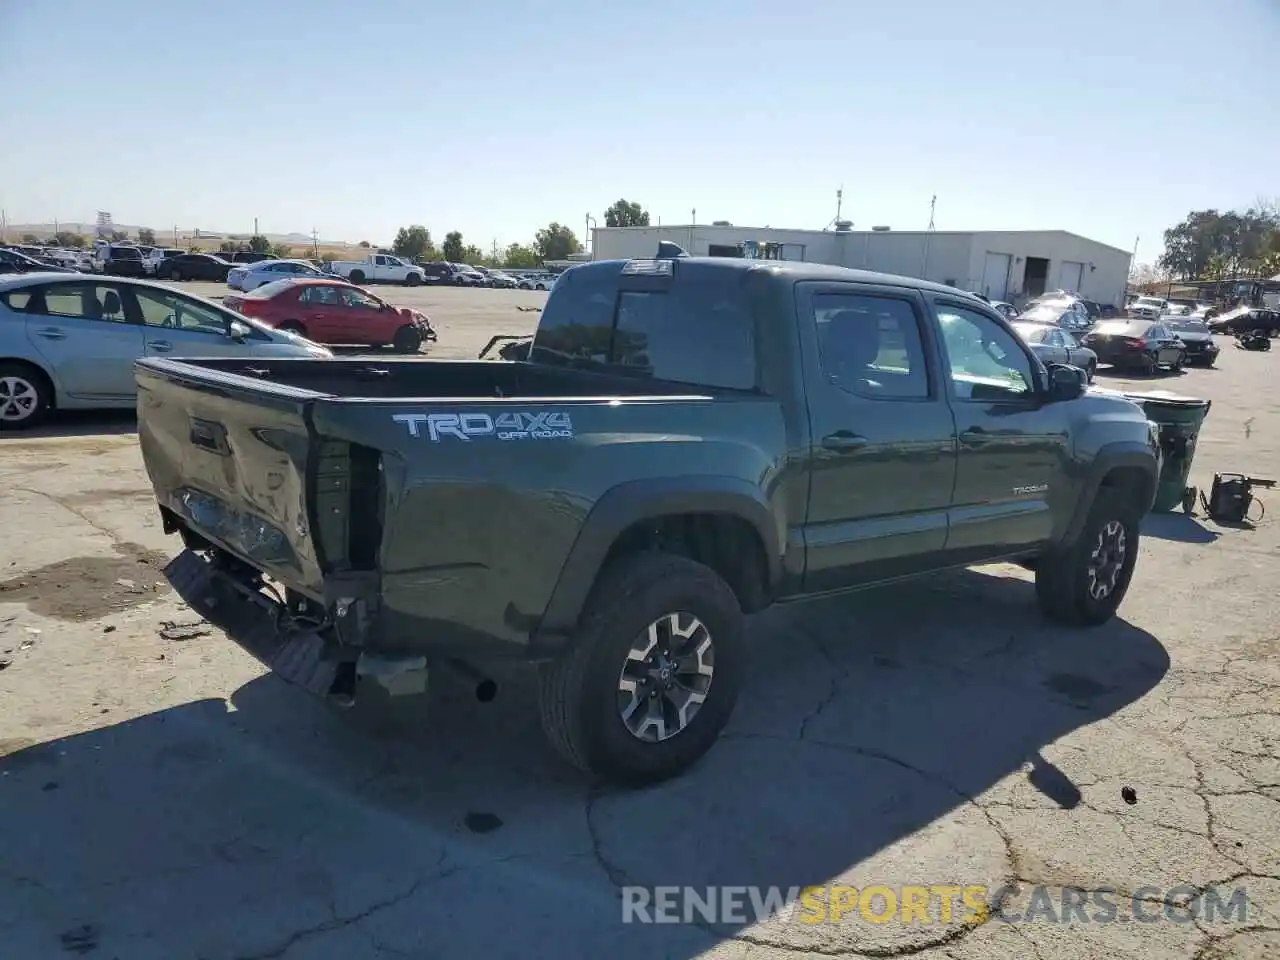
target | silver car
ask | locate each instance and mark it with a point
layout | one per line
(1052, 344)
(251, 276)
(68, 341)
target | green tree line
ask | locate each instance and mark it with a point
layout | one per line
(1211, 245)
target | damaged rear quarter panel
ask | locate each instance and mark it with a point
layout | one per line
(478, 530)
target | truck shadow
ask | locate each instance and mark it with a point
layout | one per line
(869, 728)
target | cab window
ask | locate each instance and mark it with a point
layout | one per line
(984, 360)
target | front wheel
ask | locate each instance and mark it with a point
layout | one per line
(407, 339)
(652, 674)
(1083, 584)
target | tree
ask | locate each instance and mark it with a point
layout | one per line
(118, 236)
(228, 246)
(1213, 245)
(30, 238)
(65, 238)
(366, 244)
(414, 243)
(259, 244)
(473, 254)
(555, 242)
(625, 213)
(518, 256)
(147, 237)
(281, 251)
(452, 248)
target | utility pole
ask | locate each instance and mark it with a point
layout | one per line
(494, 257)
(933, 203)
(315, 243)
(175, 234)
(255, 226)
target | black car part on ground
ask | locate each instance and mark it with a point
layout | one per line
(1231, 498)
(1256, 340)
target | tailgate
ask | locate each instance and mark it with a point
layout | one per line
(235, 460)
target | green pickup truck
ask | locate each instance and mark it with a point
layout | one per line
(687, 441)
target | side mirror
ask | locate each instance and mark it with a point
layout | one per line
(1066, 382)
(239, 332)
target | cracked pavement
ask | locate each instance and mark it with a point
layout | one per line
(161, 798)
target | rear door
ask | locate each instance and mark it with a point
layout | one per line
(1013, 460)
(83, 333)
(322, 312)
(883, 461)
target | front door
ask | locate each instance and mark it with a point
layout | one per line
(361, 314)
(1013, 468)
(883, 459)
(177, 326)
(83, 333)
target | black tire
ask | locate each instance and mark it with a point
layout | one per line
(1063, 586)
(407, 339)
(579, 691)
(357, 277)
(412, 280)
(293, 326)
(175, 276)
(26, 396)
(1090, 371)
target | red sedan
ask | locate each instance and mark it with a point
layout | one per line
(330, 311)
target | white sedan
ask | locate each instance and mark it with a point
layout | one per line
(250, 276)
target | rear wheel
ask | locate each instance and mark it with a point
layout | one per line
(412, 280)
(25, 396)
(293, 326)
(653, 672)
(357, 277)
(407, 339)
(1090, 370)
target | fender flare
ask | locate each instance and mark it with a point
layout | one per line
(1116, 455)
(625, 504)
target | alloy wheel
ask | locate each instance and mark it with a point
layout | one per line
(19, 399)
(666, 677)
(1106, 561)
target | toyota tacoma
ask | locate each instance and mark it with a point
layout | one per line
(687, 441)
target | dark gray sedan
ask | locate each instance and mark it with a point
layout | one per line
(1052, 344)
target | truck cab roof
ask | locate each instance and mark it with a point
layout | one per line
(786, 270)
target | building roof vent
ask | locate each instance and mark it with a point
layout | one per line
(880, 229)
(844, 226)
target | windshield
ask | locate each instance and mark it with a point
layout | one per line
(126, 253)
(1185, 326)
(1150, 302)
(1043, 313)
(1030, 332)
(1121, 327)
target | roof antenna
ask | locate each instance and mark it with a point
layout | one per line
(670, 251)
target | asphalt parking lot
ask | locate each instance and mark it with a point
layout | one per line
(160, 797)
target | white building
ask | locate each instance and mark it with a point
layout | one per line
(1014, 265)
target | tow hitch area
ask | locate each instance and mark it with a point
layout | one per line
(253, 622)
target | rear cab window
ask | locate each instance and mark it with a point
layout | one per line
(695, 329)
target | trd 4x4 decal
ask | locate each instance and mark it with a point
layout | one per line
(524, 425)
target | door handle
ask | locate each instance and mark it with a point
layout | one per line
(843, 441)
(974, 435)
(51, 333)
(160, 346)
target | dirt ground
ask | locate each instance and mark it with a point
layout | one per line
(160, 797)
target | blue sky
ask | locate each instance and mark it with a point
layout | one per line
(1109, 118)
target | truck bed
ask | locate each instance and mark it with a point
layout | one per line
(409, 378)
(421, 488)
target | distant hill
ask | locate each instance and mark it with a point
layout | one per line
(14, 232)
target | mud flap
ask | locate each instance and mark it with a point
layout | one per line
(295, 655)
